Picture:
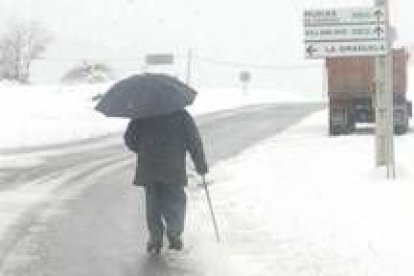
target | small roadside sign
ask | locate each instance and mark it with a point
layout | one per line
(245, 76)
(159, 59)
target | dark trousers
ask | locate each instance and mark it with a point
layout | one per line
(165, 203)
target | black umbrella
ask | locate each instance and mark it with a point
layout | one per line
(146, 95)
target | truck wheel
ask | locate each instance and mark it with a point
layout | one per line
(351, 127)
(351, 121)
(334, 131)
(400, 129)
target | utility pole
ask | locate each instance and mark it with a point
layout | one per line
(189, 64)
(384, 107)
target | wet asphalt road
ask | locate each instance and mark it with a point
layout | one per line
(94, 222)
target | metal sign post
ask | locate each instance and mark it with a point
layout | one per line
(363, 31)
(384, 138)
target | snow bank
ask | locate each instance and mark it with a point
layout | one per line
(43, 115)
(303, 203)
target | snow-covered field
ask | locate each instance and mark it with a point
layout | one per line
(301, 203)
(44, 114)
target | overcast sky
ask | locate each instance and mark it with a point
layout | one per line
(258, 31)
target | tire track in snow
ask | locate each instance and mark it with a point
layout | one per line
(29, 205)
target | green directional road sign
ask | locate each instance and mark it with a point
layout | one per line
(345, 32)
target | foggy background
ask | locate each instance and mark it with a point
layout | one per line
(263, 37)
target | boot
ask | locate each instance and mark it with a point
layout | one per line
(154, 246)
(175, 243)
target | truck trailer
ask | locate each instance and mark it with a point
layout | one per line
(351, 92)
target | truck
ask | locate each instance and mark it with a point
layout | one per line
(351, 92)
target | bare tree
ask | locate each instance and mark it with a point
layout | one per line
(19, 46)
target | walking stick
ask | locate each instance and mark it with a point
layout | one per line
(213, 217)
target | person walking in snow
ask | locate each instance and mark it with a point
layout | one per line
(161, 144)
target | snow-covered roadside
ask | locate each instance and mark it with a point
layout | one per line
(43, 114)
(303, 203)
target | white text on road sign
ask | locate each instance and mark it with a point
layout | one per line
(365, 48)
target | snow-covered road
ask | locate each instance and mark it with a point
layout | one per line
(85, 185)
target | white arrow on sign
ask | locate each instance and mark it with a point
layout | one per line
(310, 51)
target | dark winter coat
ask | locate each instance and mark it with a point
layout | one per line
(161, 144)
